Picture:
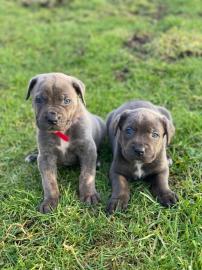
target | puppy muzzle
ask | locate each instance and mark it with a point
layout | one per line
(53, 118)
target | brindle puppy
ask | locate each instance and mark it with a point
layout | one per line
(139, 132)
(58, 101)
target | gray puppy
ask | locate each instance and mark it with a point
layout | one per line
(67, 134)
(139, 132)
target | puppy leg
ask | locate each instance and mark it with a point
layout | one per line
(120, 192)
(48, 169)
(161, 190)
(87, 190)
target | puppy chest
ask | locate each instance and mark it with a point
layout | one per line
(66, 153)
(63, 146)
(138, 171)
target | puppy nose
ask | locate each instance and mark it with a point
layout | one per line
(52, 117)
(139, 151)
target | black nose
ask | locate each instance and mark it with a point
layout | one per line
(52, 117)
(139, 151)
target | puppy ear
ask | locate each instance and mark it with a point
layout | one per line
(79, 88)
(169, 129)
(31, 85)
(119, 120)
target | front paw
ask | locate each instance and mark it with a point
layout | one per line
(48, 205)
(168, 198)
(117, 203)
(90, 198)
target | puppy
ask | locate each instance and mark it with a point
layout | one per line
(139, 133)
(66, 133)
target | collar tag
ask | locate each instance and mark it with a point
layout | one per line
(61, 135)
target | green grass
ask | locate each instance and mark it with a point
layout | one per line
(92, 41)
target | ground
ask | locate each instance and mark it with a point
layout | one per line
(121, 50)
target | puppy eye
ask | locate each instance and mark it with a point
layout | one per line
(38, 100)
(67, 101)
(155, 134)
(129, 131)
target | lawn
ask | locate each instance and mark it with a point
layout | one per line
(121, 50)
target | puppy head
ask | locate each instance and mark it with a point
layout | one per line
(55, 98)
(143, 134)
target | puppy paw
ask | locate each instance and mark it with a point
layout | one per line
(90, 198)
(31, 158)
(168, 198)
(48, 205)
(118, 203)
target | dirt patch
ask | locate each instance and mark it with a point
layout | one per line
(188, 53)
(122, 75)
(138, 40)
(138, 44)
(176, 44)
(43, 3)
(170, 46)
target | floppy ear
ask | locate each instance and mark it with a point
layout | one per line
(31, 86)
(169, 129)
(79, 88)
(119, 120)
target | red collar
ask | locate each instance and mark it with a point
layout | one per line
(61, 135)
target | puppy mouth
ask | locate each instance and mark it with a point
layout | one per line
(54, 127)
(51, 127)
(145, 158)
(59, 126)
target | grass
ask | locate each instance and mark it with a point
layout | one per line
(103, 43)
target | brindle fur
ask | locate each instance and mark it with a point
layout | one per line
(153, 165)
(86, 132)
